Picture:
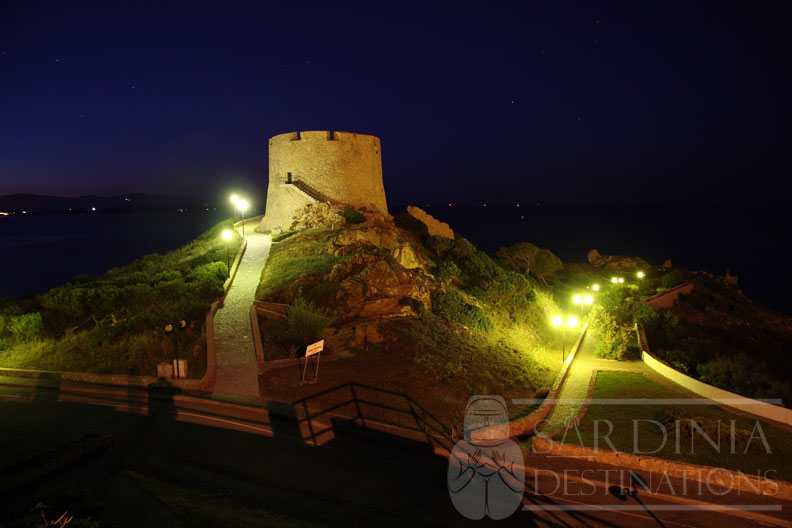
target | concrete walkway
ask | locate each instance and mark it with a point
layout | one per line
(237, 370)
(576, 385)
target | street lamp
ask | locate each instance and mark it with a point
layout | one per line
(582, 301)
(595, 287)
(571, 322)
(243, 205)
(621, 280)
(227, 238)
(235, 200)
(641, 274)
(614, 280)
(181, 325)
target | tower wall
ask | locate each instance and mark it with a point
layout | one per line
(341, 166)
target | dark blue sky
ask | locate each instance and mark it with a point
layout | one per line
(572, 102)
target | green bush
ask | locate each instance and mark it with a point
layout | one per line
(26, 326)
(305, 323)
(526, 257)
(612, 337)
(284, 235)
(452, 305)
(352, 216)
(671, 279)
(409, 223)
(440, 245)
(446, 270)
(417, 306)
(645, 315)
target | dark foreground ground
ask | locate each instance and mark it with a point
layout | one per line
(172, 464)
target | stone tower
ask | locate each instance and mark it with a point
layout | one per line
(322, 166)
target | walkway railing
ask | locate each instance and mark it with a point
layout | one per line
(372, 406)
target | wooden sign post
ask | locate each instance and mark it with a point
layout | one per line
(312, 350)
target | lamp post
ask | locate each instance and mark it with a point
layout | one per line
(582, 301)
(242, 205)
(181, 325)
(234, 200)
(571, 322)
(227, 238)
(641, 274)
(595, 287)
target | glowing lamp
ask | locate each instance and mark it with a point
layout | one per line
(595, 287)
(557, 321)
(226, 234)
(621, 280)
(614, 280)
(577, 299)
(234, 198)
(588, 299)
(242, 205)
(572, 322)
(641, 274)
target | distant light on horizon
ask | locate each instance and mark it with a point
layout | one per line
(93, 208)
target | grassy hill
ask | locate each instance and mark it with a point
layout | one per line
(115, 323)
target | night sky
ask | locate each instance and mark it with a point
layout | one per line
(549, 102)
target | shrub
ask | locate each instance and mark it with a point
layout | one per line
(452, 305)
(26, 326)
(446, 270)
(645, 315)
(671, 279)
(417, 306)
(440, 245)
(612, 337)
(409, 223)
(214, 271)
(284, 235)
(305, 323)
(526, 257)
(352, 216)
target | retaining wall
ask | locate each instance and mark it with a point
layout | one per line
(722, 397)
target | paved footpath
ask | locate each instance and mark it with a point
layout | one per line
(237, 370)
(577, 382)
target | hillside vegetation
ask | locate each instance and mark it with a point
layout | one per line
(115, 323)
(444, 314)
(714, 333)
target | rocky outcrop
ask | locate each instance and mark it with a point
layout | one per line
(365, 239)
(528, 258)
(316, 215)
(373, 286)
(614, 261)
(435, 226)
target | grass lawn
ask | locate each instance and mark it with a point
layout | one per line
(749, 456)
(296, 256)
